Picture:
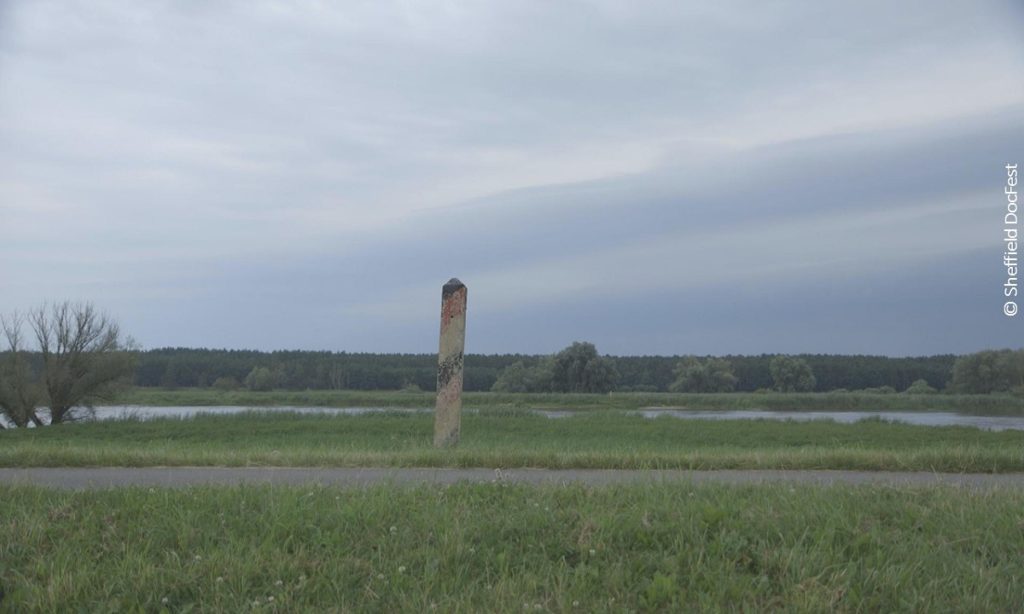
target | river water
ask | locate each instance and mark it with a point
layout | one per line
(992, 423)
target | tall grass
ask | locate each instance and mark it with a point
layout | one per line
(505, 438)
(501, 548)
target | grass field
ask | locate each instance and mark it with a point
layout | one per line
(481, 548)
(510, 438)
(993, 405)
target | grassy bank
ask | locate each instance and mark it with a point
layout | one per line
(974, 404)
(477, 548)
(514, 439)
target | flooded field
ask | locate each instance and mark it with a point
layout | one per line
(992, 423)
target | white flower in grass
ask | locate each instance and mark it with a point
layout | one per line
(165, 600)
(380, 576)
(279, 583)
(575, 604)
(401, 569)
(393, 529)
(270, 599)
(198, 558)
(593, 552)
(220, 579)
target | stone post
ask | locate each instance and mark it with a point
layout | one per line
(448, 411)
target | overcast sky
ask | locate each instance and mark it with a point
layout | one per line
(654, 177)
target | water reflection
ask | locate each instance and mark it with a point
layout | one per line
(936, 418)
(991, 423)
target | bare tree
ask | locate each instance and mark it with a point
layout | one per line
(19, 391)
(83, 356)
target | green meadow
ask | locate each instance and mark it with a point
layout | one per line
(509, 548)
(980, 404)
(513, 438)
(514, 548)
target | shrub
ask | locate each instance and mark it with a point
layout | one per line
(260, 378)
(709, 375)
(226, 383)
(791, 374)
(920, 387)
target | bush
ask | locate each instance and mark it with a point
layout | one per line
(920, 387)
(517, 377)
(791, 374)
(226, 383)
(579, 368)
(988, 371)
(709, 375)
(260, 379)
(410, 386)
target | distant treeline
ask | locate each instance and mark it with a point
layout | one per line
(300, 370)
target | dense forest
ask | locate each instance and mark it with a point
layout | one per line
(300, 370)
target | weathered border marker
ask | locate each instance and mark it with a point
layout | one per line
(448, 411)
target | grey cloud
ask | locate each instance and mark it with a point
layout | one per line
(235, 173)
(852, 175)
(729, 225)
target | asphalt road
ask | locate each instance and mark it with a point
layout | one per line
(109, 477)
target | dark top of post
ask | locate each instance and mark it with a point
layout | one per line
(450, 288)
